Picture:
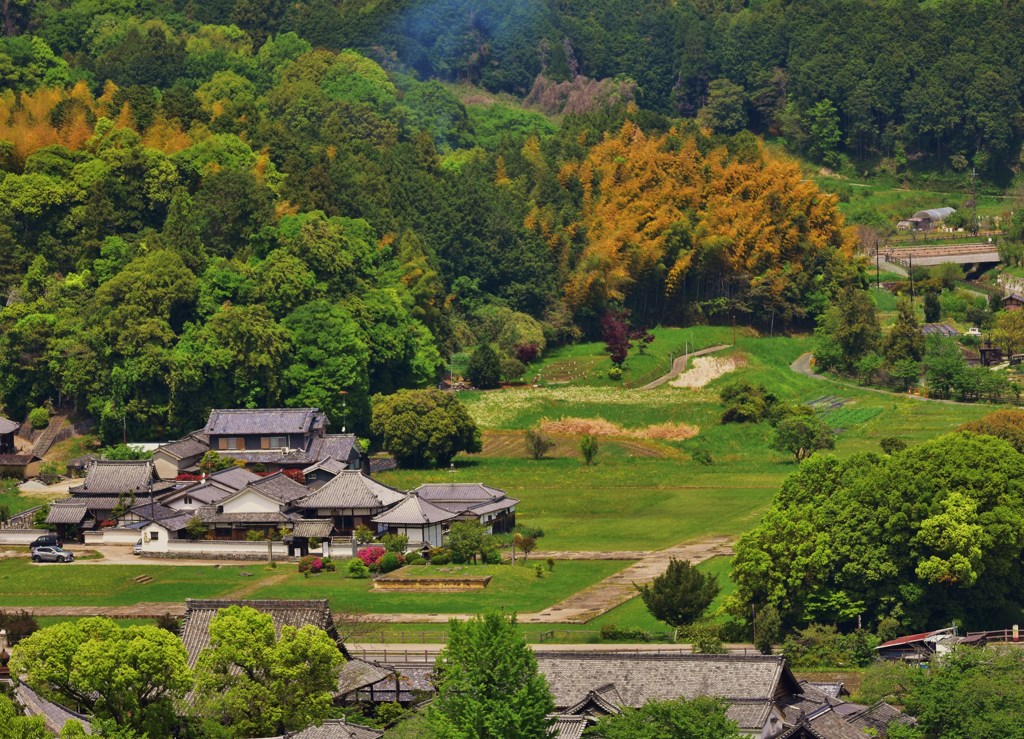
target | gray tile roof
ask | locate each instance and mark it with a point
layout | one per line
(316, 528)
(413, 511)
(278, 486)
(17, 460)
(358, 674)
(209, 515)
(234, 478)
(92, 502)
(751, 683)
(113, 477)
(54, 715)
(879, 717)
(195, 627)
(352, 489)
(204, 493)
(343, 447)
(7, 426)
(66, 513)
(156, 512)
(498, 505)
(459, 492)
(825, 725)
(330, 465)
(244, 421)
(175, 523)
(334, 728)
(195, 444)
(571, 727)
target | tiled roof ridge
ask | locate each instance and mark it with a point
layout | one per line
(269, 604)
(778, 658)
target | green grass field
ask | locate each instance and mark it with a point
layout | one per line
(624, 502)
(514, 588)
(25, 584)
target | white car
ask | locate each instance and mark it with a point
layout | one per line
(973, 331)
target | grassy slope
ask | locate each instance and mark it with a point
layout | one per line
(626, 502)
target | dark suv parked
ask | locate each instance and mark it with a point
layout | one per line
(46, 540)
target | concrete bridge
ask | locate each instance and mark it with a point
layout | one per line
(927, 256)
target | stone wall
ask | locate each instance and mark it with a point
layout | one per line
(226, 556)
(432, 583)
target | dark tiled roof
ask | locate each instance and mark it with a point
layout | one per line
(7, 426)
(317, 528)
(66, 513)
(832, 690)
(175, 523)
(54, 715)
(826, 725)
(335, 728)
(113, 477)
(352, 489)
(498, 505)
(880, 717)
(330, 465)
(413, 511)
(209, 515)
(234, 478)
(278, 486)
(382, 464)
(156, 512)
(93, 502)
(340, 446)
(245, 421)
(195, 628)
(571, 727)
(749, 682)
(203, 493)
(358, 674)
(17, 460)
(194, 445)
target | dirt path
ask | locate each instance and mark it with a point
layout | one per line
(802, 365)
(679, 365)
(578, 608)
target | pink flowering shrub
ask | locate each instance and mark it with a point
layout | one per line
(311, 564)
(371, 556)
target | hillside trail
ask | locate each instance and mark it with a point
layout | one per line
(679, 365)
(578, 608)
(802, 365)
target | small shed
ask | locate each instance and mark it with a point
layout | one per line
(927, 220)
(1013, 301)
(8, 429)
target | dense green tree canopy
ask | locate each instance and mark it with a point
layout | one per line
(488, 684)
(424, 428)
(923, 535)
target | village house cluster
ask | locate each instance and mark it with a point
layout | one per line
(293, 483)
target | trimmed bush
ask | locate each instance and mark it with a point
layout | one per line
(614, 632)
(39, 418)
(356, 569)
(390, 562)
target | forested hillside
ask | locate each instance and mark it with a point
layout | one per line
(258, 203)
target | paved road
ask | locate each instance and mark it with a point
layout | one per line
(679, 365)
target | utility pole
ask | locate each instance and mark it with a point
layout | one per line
(972, 202)
(911, 272)
(878, 279)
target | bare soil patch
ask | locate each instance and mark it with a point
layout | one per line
(601, 427)
(512, 444)
(706, 369)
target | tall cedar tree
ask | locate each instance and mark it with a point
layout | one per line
(680, 595)
(488, 683)
(484, 369)
(905, 340)
(847, 331)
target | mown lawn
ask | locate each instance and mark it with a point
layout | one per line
(513, 588)
(25, 584)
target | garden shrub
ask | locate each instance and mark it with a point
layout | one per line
(490, 556)
(39, 418)
(357, 569)
(329, 565)
(824, 646)
(414, 558)
(615, 632)
(440, 556)
(371, 556)
(311, 564)
(538, 570)
(390, 562)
